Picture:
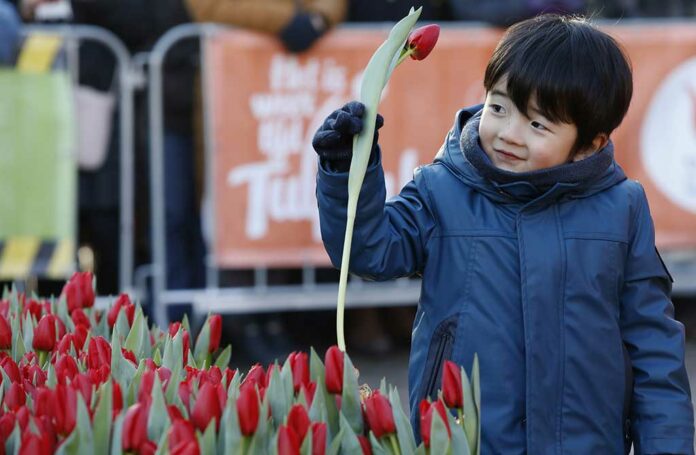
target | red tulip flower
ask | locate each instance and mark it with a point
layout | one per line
(11, 369)
(98, 353)
(333, 361)
(288, 441)
(121, 302)
(7, 425)
(380, 417)
(33, 444)
(116, 398)
(298, 420)
(422, 41)
(66, 406)
(45, 334)
(309, 390)
(452, 385)
(365, 445)
(134, 435)
(78, 291)
(5, 334)
(318, 438)
(129, 355)
(256, 376)
(426, 418)
(299, 363)
(15, 397)
(184, 393)
(248, 409)
(79, 337)
(206, 408)
(79, 317)
(66, 368)
(174, 327)
(182, 438)
(34, 308)
(215, 323)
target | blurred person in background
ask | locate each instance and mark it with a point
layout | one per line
(9, 33)
(503, 13)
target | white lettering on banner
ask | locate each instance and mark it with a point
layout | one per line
(288, 117)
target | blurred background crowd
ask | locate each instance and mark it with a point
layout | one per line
(297, 24)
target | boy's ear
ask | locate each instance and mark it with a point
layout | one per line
(598, 144)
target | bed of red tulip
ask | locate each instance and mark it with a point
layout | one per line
(79, 380)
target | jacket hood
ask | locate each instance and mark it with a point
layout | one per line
(463, 155)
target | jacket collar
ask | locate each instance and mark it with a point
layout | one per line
(463, 155)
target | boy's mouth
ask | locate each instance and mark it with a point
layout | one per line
(507, 155)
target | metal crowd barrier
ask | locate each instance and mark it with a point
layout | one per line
(73, 34)
(262, 297)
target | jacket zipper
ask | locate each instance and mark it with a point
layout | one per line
(439, 359)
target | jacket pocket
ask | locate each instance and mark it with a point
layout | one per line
(440, 350)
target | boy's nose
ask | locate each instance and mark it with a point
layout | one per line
(511, 132)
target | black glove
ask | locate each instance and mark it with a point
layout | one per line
(333, 141)
(302, 31)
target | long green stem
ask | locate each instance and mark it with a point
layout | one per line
(343, 281)
(394, 444)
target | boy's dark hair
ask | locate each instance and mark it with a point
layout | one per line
(576, 73)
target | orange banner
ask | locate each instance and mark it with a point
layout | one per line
(267, 104)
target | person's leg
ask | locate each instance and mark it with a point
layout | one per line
(183, 232)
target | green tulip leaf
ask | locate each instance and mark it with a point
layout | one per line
(28, 332)
(349, 441)
(470, 414)
(230, 439)
(117, 434)
(460, 445)
(277, 397)
(206, 441)
(158, 418)
(14, 440)
(318, 411)
(350, 399)
(200, 351)
(439, 438)
(81, 440)
(404, 432)
(135, 335)
(316, 366)
(335, 446)
(379, 447)
(223, 360)
(122, 324)
(102, 418)
(476, 386)
(163, 444)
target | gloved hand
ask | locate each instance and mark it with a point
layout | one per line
(302, 31)
(333, 141)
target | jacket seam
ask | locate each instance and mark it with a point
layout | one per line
(525, 327)
(561, 394)
(433, 212)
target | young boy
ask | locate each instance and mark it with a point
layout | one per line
(536, 252)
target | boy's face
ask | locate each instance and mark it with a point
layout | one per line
(517, 143)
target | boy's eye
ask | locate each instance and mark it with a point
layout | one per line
(497, 108)
(538, 126)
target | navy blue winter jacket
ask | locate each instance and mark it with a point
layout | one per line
(558, 288)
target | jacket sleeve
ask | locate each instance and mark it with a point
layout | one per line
(389, 239)
(661, 409)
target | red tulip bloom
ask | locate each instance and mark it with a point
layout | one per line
(309, 390)
(318, 438)
(185, 394)
(66, 368)
(128, 355)
(34, 308)
(215, 323)
(255, 376)
(79, 317)
(121, 302)
(134, 435)
(174, 327)
(5, 334)
(206, 408)
(7, 425)
(248, 409)
(15, 397)
(422, 41)
(116, 398)
(84, 385)
(299, 363)
(79, 337)
(298, 420)
(78, 291)
(380, 417)
(452, 385)
(365, 445)
(182, 438)
(66, 405)
(45, 333)
(11, 369)
(98, 353)
(426, 418)
(288, 441)
(33, 444)
(333, 361)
